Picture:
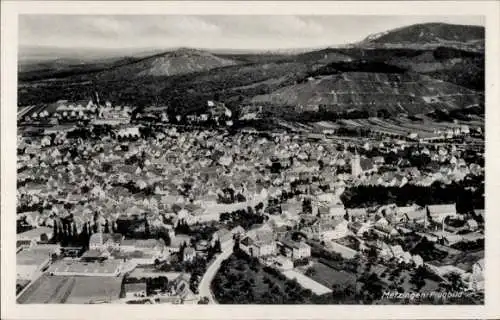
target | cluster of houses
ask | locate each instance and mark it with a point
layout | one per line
(195, 176)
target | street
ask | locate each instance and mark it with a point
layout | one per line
(204, 287)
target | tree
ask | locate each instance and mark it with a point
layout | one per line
(75, 231)
(147, 231)
(204, 300)
(259, 207)
(418, 278)
(455, 282)
(69, 230)
(106, 226)
(310, 272)
(372, 253)
(55, 236)
(166, 238)
(182, 248)
(352, 266)
(84, 236)
(217, 246)
(372, 287)
(236, 246)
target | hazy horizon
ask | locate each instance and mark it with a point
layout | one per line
(252, 33)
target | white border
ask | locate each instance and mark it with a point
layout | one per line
(9, 12)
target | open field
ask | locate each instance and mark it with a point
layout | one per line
(329, 276)
(64, 289)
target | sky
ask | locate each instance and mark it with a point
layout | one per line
(210, 32)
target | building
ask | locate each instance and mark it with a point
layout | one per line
(259, 241)
(326, 230)
(292, 208)
(385, 230)
(70, 267)
(476, 280)
(257, 248)
(151, 246)
(357, 214)
(224, 236)
(101, 241)
(238, 231)
(189, 254)
(418, 216)
(131, 132)
(356, 170)
(361, 166)
(417, 260)
(293, 249)
(180, 288)
(439, 212)
(359, 228)
(336, 211)
(472, 225)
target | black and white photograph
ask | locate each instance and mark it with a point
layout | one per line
(269, 159)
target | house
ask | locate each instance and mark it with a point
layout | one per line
(224, 236)
(399, 214)
(291, 208)
(476, 280)
(397, 251)
(417, 260)
(357, 214)
(101, 241)
(385, 230)
(238, 231)
(259, 241)
(472, 224)
(336, 211)
(131, 132)
(378, 160)
(326, 230)
(439, 212)
(180, 288)
(406, 257)
(294, 250)
(153, 246)
(189, 254)
(359, 228)
(176, 242)
(135, 290)
(418, 216)
(384, 250)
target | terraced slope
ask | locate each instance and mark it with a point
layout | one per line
(373, 91)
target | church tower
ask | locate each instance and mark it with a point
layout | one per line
(356, 164)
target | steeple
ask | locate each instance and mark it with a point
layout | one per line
(356, 164)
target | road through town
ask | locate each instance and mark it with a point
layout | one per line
(204, 287)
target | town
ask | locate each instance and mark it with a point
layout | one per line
(117, 204)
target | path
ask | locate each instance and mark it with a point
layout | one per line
(204, 287)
